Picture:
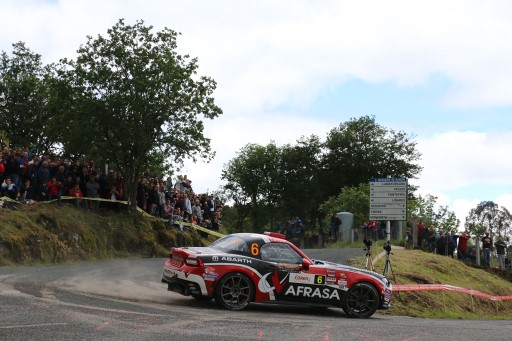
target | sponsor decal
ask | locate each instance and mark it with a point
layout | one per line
(330, 279)
(171, 273)
(265, 287)
(236, 260)
(387, 292)
(331, 273)
(343, 284)
(303, 278)
(311, 292)
(215, 259)
(210, 277)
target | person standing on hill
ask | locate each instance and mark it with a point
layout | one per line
(501, 246)
(421, 232)
(463, 245)
(486, 247)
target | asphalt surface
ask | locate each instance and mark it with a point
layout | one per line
(124, 300)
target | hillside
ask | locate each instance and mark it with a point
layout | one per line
(415, 266)
(49, 234)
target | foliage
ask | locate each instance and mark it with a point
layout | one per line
(355, 200)
(425, 208)
(360, 149)
(24, 97)
(489, 217)
(254, 180)
(134, 102)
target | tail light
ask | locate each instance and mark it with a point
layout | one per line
(194, 262)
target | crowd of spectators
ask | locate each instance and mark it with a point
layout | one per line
(453, 243)
(28, 176)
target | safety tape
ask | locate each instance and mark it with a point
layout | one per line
(439, 287)
(144, 213)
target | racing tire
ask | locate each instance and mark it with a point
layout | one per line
(234, 291)
(360, 301)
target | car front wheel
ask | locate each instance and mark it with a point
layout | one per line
(361, 300)
(234, 291)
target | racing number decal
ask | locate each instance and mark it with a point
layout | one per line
(255, 250)
(319, 279)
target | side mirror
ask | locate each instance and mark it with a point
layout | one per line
(306, 263)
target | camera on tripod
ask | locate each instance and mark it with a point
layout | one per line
(368, 242)
(387, 247)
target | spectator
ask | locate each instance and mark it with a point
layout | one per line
(43, 176)
(10, 189)
(408, 239)
(501, 247)
(197, 215)
(486, 249)
(430, 237)
(92, 189)
(463, 245)
(75, 192)
(441, 246)
(452, 242)
(27, 193)
(54, 190)
(421, 232)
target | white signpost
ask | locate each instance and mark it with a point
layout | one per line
(388, 199)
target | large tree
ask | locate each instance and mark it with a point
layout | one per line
(254, 178)
(24, 97)
(360, 149)
(489, 217)
(135, 102)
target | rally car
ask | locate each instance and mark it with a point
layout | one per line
(246, 267)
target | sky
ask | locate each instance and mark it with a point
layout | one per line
(440, 71)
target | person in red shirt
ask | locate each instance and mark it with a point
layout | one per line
(462, 248)
(54, 190)
(421, 232)
(77, 193)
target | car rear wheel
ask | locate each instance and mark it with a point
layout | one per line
(361, 300)
(234, 291)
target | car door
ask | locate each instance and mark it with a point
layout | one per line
(290, 280)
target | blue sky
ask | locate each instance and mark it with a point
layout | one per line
(439, 70)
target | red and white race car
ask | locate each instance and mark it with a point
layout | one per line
(248, 267)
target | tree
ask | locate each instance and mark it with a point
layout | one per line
(489, 217)
(135, 102)
(24, 91)
(254, 178)
(360, 149)
(300, 164)
(426, 208)
(353, 199)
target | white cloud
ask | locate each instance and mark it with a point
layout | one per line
(267, 55)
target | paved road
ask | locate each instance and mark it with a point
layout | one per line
(124, 300)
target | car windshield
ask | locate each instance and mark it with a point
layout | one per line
(231, 243)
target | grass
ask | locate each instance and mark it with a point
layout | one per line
(46, 234)
(416, 266)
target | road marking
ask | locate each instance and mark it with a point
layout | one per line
(33, 325)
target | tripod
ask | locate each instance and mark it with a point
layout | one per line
(387, 267)
(368, 256)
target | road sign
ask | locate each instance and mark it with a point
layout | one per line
(388, 199)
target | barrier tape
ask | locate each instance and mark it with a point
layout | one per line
(181, 223)
(440, 287)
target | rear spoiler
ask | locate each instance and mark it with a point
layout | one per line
(275, 235)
